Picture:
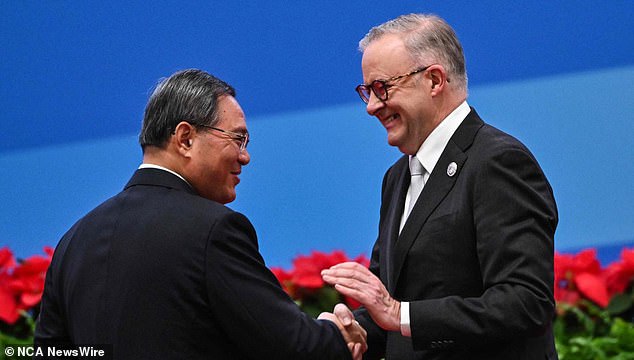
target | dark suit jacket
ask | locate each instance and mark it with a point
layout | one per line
(475, 257)
(162, 273)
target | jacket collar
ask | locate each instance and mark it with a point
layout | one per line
(157, 177)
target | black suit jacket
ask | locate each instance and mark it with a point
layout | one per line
(162, 273)
(475, 257)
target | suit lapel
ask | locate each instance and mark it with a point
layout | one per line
(395, 212)
(436, 189)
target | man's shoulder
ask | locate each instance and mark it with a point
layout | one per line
(150, 203)
(186, 207)
(494, 147)
(491, 140)
(476, 134)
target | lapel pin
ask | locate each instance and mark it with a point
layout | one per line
(452, 168)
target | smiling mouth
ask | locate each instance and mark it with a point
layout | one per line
(389, 119)
(236, 180)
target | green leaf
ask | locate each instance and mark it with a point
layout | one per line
(619, 304)
(624, 333)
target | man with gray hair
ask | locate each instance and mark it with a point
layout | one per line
(163, 270)
(463, 264)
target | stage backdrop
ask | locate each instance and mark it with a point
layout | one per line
(75, 77)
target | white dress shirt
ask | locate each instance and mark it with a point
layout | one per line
(153, 166)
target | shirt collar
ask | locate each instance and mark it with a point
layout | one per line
(153, 166)
(433, 146)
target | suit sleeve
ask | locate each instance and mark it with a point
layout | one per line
(514, 216)
(51, 326)
(247, 300)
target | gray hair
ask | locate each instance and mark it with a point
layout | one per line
(189, 95)
(427, 37)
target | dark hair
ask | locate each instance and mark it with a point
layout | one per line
(188, 95)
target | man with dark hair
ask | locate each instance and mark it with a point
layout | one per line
(163, 270)
(463, 264)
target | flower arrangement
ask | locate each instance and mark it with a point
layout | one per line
(595, 304)
(21, 287)
(303, 282)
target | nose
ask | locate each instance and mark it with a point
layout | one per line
(244, 158)
(374, 104)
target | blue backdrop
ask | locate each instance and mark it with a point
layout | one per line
(76, 76)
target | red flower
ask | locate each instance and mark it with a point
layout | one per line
(8, 304)
(593, 287)
(579, 276)
(28, 279)
(564, 295)
(9, 312)
(308, 269)
(621, 273)
(304, 281)
(7, 261)
(21, 286)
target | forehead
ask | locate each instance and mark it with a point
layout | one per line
(385, 57)
(230, 114)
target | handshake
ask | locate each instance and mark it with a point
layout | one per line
(356, 281)
(354, 334)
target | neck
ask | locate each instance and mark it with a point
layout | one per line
(449, 103)
(161, 157)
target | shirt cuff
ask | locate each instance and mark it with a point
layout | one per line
(406, 330)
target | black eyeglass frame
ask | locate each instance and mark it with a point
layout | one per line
(363, 88)
(242, 137)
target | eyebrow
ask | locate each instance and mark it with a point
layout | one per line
(240, 130)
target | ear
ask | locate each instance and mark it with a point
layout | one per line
(183, 137)
(438, 78)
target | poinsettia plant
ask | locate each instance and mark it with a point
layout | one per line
(21, 287)
(595, 306)
(304, 284)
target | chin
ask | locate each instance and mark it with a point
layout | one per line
(230, 197)
(223, 198)
(394, 142)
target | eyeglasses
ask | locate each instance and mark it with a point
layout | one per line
(241, 138)
(379, 87)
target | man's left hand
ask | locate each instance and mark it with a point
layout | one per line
(356, 281)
